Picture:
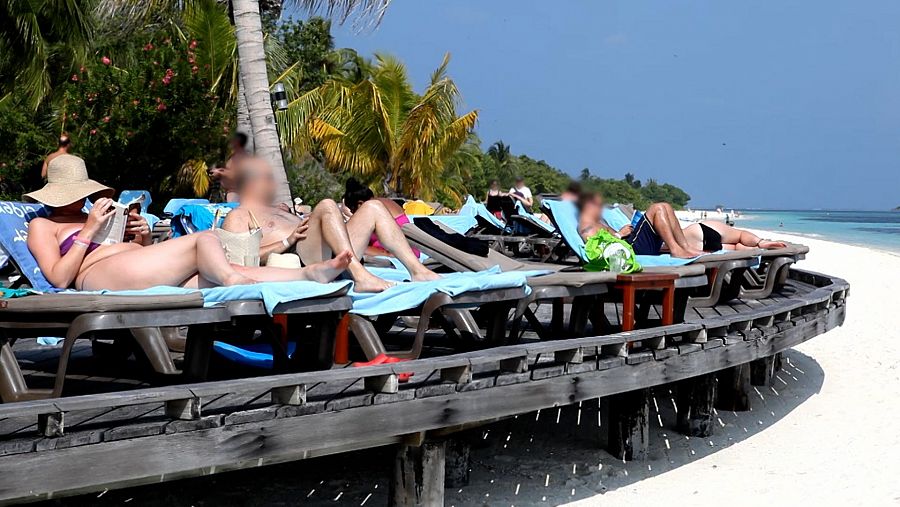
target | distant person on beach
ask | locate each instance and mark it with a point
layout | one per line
(572, 192)
(712, 236)
(658, 225)
(522, 193)
(494, 199)
(62, 148)
(316, 236)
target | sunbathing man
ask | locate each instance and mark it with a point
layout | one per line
(316, 236)
(658, 225)
(64, 247)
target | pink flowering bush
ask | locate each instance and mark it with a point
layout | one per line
(136, 124)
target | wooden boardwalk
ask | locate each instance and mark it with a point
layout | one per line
(147, 435)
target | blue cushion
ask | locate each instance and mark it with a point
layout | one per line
(14, 218)
(192, 218)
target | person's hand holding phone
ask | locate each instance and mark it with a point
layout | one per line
(137, 228)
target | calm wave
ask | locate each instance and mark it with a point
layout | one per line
(877, 229)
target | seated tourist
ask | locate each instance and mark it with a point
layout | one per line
(357, 197)
(712, 236)
(64, 247)
(658, 225)
(316, 236)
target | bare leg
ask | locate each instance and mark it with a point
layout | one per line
(739, 238)
(373, 217)
(328, 233)
(662, 216)
(322, 272)
(191, 261)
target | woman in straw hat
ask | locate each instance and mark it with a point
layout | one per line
(66, 253)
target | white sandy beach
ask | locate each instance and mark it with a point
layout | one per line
(824, 435)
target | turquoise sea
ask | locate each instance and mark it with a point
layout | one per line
(876, 229)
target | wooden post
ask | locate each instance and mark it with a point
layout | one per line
(456, 468)
(418, 477)
(629, 425)
(762, 370)
(696, 397)
(734, 388)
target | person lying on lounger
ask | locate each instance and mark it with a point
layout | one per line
(658, 225)
(63, 245)
(712, 236)
(316, 236)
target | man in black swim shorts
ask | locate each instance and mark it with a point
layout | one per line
(657, 226)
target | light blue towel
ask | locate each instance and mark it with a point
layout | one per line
(474, 208)
(271, 293)
(174, 205)
(408, 295)
(192, 218)
(648, 261)
(459, 223)
(615, 218)
(14, 218)
(522, 211)
(565, 215)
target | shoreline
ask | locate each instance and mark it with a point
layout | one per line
(800, 237)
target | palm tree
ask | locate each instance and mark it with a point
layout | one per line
(38, 39)
(499, 151)
(251, 50)
(381, 131)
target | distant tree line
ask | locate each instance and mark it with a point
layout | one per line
(498, 162)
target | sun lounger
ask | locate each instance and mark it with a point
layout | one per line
(78, 315)
(725, 270)
(583, 286)
(772, 272)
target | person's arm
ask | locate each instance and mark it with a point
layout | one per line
(588, 225)
(44, 170)
(61, 270)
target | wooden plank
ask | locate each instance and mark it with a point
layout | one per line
(285, 438)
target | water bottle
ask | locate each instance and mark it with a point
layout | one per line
(616, 257)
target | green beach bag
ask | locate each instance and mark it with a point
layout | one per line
(604, 249)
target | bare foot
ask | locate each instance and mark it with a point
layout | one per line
(327, 271)
(771, 245)
(237, 279)
(426, 275)
(685, 254)
(370, 283)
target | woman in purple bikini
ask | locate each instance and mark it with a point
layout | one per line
(64, 247)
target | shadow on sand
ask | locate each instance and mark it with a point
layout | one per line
(540, 458)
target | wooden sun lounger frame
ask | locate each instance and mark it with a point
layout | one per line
(80, 324)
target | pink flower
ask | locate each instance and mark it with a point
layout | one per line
(161, 106)
(81, 69)
(166, 80)
(93, 131)
(148, 47)
(135, 101)
(194, 69)
(74, 78)
(105, 60)
(129, 133)
(193, 44)
(106, 119)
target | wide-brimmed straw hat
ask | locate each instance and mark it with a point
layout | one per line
(67, 182)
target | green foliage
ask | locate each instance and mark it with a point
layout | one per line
(137, 126)
(311, 182)
(542, 178)
(310, 44)
(26, 142)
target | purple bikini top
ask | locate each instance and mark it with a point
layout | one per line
(67, 243)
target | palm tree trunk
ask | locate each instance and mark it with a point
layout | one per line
(252, 56)
(243, 116)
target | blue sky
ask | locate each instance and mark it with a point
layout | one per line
(766, 104)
